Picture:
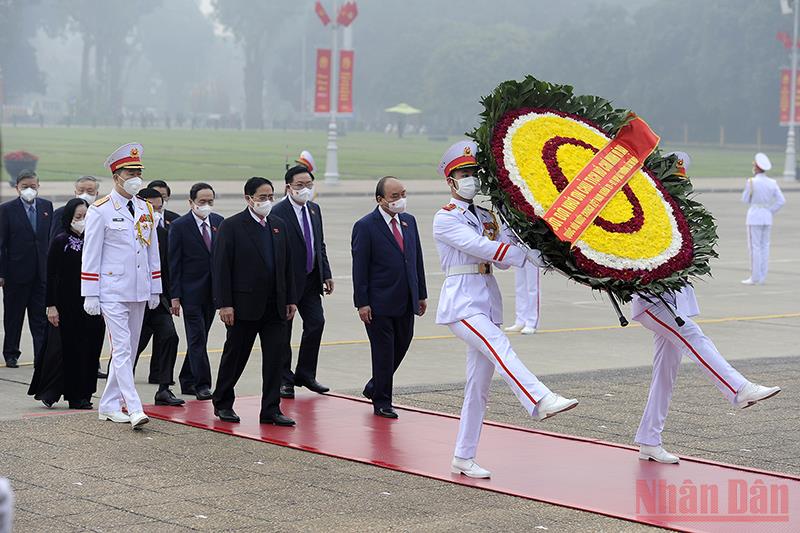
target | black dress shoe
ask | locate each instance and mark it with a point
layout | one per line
(287, 391)
(203, 394)
(226, 415)
(81, 404)
(277, 419)
(48, 403)
(165, 397)
(367, 394)
(101, 374)
(188, 391)
(386, 412)
(12, 363)
(313, 385)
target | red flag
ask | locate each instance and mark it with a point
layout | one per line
(322, 14)
(347, 14)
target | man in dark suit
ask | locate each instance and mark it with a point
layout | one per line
(254, 291)
(388, 286)
(86, 188)
(158, 322)
(312, 276)
(168, 216)
(191, 241)
(24, 238)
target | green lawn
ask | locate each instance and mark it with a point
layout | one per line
(218, 155)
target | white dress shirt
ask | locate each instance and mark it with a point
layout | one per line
(298, 211)
(388, 218)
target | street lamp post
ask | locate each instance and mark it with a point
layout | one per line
(332, 159)
(790, 166)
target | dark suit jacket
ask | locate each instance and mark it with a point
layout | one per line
(169, 217)
(163, 254)
(297, 243)
(384, 277)
(239, 271)
(55, 225)
(23, 254)
(190, 260)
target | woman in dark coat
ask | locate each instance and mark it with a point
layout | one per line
(75, 339)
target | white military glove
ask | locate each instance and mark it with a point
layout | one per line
(535, 257)
(154, 300)
(91, 304)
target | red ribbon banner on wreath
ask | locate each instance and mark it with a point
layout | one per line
(609, 170)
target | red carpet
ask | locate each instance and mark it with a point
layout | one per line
(589, 475)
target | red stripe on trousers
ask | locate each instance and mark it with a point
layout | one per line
(481, 337)
(692, 349)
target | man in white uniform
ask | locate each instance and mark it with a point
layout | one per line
(471, 243)
(120, 274)
(764, 198)
(670, 343)
(526, 302)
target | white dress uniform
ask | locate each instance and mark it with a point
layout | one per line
(527, 295)
(670, 344)
(470, 304)
(764, 198)
(121, 266)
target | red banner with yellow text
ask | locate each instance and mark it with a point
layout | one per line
(785, 103)
(322, 92)
(609, 170)
(344, 105)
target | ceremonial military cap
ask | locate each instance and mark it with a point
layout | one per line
(126, 156)
(460, 155)
(763, 162)
(306, 160)
(684, 161)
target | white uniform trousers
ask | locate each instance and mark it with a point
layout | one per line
(124, 325)
(758, 242)
(488, 349)
(526, 279)
(670, 344)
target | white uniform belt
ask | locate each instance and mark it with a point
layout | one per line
(480, 268)
(762, 206)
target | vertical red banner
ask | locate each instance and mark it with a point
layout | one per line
(345, 93)
(785, 103)
(322, 93)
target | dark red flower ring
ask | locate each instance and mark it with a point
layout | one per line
(550, 157)
(681, 260)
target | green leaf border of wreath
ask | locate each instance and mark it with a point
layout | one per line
(531, 92)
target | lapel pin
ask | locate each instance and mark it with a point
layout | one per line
(275, 230)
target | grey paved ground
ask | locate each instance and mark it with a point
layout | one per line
(73, 473)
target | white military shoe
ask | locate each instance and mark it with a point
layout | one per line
(752, 393)
(527, 330)
(115, 416)
(748, 281)
(657, 454)
(515, 328)
(138, 420)
(469, 468)
(551, 405)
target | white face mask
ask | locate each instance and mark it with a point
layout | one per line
(303, 195)
(29, 194)
(468, 187)
(132, 185)
(202, 211)
(88, 198)
(78, 226)
(398, 206)
(262, 208)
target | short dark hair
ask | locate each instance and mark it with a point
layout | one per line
(252, 185)
(148, 193)
(69, 212)
(26, 173)
(294, 171)
(380, 188)
(197, 187)
(160, 183)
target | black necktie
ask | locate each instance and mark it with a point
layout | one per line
(130, 207)
(472, 210)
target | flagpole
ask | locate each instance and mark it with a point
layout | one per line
(332, 159)
(790, 166)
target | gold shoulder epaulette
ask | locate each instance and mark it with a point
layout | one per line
(102, 200)
(449, 207)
